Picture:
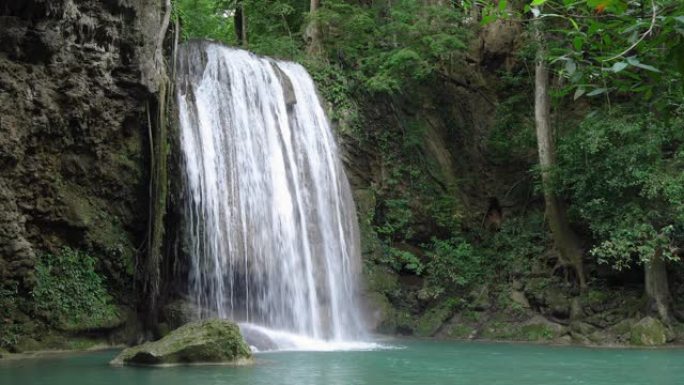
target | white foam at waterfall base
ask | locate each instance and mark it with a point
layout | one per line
(270, 223)
(284, 341)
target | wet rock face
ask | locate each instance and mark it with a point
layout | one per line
(73, 129)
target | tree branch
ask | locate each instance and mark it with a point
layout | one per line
(643, 36)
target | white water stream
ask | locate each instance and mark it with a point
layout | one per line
(270, 221)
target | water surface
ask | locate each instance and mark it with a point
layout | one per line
(415, 363)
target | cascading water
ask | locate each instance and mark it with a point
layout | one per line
(270, 221)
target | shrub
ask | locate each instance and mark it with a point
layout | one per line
(69, 293)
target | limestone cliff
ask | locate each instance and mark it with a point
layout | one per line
(77, 78)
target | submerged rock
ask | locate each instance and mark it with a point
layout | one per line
(208, 342)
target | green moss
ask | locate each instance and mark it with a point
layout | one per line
(536, 332)
(212, 341)
(381, 279)
(496, 330)
(460, 331)
(596, 297)
(26, 344)
(623, 327)
(61, 342)
(648, 332)
(105, 230)
(430, 322)
(472, 316)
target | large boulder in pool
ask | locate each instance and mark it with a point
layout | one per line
(203, 342)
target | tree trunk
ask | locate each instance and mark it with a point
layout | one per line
(565, 239)
(313, 31)
(657, 288)
(240, 19)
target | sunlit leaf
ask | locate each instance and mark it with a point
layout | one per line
(578, 42)
(597, 91)
(646, 67)
(502, 5)
(619, 66)
(487, 19)
(579, 92)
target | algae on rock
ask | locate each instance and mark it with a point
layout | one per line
(204, 342)
(649, 332)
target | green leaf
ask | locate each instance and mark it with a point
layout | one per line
(633, 60)
(646, 67)
(619, 66)
(536, 3)
(578, 42)
(679, 19)
(486, 19)
(570, 67)
(502, 5)
(579, 92)
(607, 39)
(593, 28)
(597, 91)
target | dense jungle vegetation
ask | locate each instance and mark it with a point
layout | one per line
(564, 196)
(597, 83)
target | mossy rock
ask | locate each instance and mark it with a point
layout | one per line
(399, 322)
(557, 302)
(381, 279)
(179, 313)
(204, 342)
(26, 344)
(379, 312)
(537, 329)
(623, 327)
(459, 331)
(497, 330)
(430, 322)
(55, 341)
(649, 332)
(537, 332)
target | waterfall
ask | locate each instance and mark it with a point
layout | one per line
(269, 219)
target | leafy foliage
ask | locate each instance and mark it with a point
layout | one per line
(622, 177)
(391, 44)
(453, 262)
(68, 291)
(8, 306)
(275, 28)
(210, 19)
(625, 177)
(626, 48)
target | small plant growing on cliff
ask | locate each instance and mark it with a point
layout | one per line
(69, 293)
